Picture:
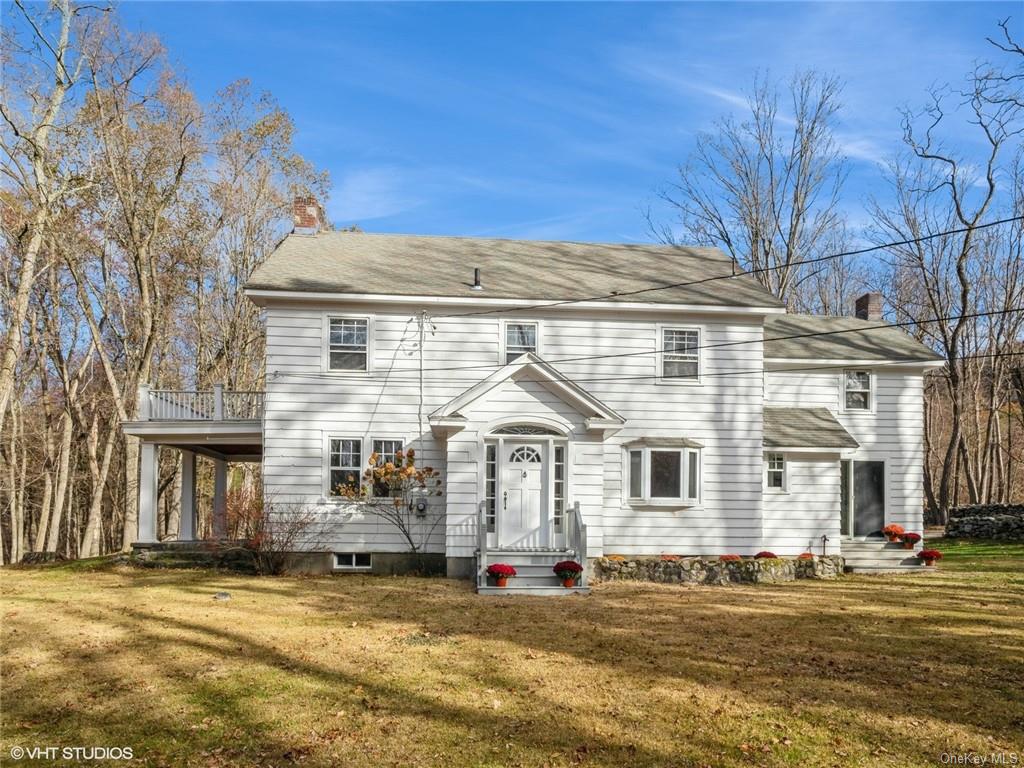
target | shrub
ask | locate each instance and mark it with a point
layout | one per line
(913, 538)
(893, 530)
(567, 569)
(730, 558)
(766, 555)
(930, 554)
(500, 569)
(805, 556)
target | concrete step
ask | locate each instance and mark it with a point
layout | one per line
(537, 591)
(520, 557)
(868, 569)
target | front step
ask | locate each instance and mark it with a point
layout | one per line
(880, 556)
(533, 573)
(537, 591)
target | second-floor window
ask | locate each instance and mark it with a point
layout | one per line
(775, 471)
(680, 354)
(520, 338)
(857, 386)
(348, 345)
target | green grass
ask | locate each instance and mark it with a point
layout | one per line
(363, 671)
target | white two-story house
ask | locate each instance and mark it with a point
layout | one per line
(576, 399)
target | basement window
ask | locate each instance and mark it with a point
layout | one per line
(353, 561)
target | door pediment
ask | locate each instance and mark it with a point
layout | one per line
(526, 369)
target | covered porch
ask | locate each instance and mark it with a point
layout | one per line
(221, 425)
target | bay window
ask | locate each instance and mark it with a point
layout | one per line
(663, 475)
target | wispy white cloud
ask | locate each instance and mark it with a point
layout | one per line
(373, 193)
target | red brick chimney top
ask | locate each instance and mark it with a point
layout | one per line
(869, 306)
(308, 216)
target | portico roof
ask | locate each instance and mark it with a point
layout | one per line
(598, 415)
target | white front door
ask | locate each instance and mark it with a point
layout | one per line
(521, 508)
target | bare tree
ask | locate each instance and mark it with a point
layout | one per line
(766, 190)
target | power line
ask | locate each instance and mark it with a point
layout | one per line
(320, 377)
(732, 276)
(647, 352)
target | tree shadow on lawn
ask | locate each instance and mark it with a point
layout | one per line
(855, 655)
(231, 709)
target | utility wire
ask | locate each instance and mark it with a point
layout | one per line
(732, 276)
(647, 352)
(716, 374)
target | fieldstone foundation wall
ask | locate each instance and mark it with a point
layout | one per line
(698, 570)
(987, 521)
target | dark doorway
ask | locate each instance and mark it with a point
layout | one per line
(868, 497)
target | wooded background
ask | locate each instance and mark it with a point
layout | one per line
(132, 213)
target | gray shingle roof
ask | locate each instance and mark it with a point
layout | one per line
(856, 340)
(804, 428)
(413, 265)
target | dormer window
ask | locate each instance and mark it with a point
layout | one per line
(520, 338)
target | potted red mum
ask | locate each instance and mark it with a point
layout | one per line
(893, 532)
(805, 556)
(910, 539)
(568, 571)
(729, 558)
(766, 555)
(501, 572)
(929, 556)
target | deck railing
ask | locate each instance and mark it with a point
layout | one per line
(217, 404)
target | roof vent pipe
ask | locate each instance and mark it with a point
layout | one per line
(477, 286)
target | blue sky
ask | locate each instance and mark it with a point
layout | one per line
(555, 121)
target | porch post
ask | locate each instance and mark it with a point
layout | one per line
(148, 475)
(220, 492)
(187, 520)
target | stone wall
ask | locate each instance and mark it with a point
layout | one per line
(698, 570)
(987, 521)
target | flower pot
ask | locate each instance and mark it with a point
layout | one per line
(568, 583)
(892, 537)
(929, 562)
(908, 545)
(502, 581)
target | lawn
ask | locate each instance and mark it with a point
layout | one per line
(363, 671)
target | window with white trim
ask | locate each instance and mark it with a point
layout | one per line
(559, 516)
(348, 344)
(345, 465)
(520, 338)
(775, 471)
(353, 561)
(384, 452)
(680, 354)
(664, 475)
(491, 485)
(857, 390)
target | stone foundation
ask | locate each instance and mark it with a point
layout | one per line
(699, 570)
(987, 521)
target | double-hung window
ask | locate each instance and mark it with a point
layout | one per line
(345, 465)
(857, 390)
(775, 471)
(348, 344)
(520, 338)
(385, 452)
(680, 354)
(664, 475)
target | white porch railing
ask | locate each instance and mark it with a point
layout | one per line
(481, 542)
(217, 404)
(576, 538)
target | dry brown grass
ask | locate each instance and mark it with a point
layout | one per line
(370, 671)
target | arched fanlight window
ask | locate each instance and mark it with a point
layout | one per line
(525, 429)
(524, 455)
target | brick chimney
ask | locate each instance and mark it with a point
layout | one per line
(869, 307)
(308, 216)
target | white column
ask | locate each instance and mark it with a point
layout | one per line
(187, 521)
(220, 492)
(148, 477)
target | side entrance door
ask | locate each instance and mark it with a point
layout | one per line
(521, 508)
(868, 497)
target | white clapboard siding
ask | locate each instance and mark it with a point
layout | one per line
(797, 518)
(893, 432)
(304, 404)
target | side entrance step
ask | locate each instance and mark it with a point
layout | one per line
(880, 556)
(533, 573)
